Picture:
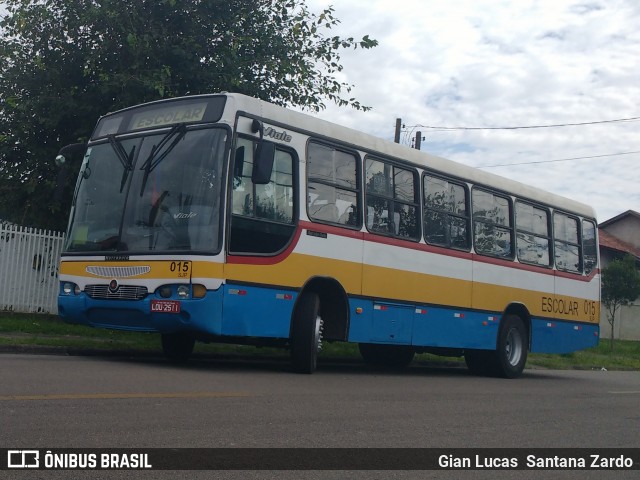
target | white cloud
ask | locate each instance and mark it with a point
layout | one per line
(504, 63)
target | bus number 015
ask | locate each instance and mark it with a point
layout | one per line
(181, 268)
(590, 309)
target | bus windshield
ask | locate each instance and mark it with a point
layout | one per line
(157, 192)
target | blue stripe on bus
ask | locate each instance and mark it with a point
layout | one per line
(257, 312)
(551, 336)
(423, 326)
(248, 311)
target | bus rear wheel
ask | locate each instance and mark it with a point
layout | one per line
(392, 356)
(509, 357)
(306, 334)
(513, 345)
(177, 347)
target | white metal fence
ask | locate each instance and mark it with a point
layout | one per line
(29, 260)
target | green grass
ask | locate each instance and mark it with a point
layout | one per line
(625, 356)
(49, 331)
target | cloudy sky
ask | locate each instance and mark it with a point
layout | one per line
(494, 63)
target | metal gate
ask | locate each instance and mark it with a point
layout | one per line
(29, 260)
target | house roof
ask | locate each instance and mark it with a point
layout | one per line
(613, 243)
(617, 218)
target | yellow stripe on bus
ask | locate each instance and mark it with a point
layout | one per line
(381, 282)
(158, 269)
(296, 270)
(370, 281)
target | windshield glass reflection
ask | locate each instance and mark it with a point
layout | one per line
(174, 206)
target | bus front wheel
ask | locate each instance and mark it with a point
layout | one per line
(306, 333)
(177, 347)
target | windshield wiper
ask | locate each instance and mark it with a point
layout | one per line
(161, 150)
(125, 159)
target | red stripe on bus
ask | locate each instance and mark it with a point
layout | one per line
(395, 242)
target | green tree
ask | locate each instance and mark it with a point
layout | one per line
(620, 286)
(63, 63)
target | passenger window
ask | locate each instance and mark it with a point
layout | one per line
(446, 213)
(392, 207)
(333, 185)
(589, 246)
(492, 226)
(566, 242)
(533, 240)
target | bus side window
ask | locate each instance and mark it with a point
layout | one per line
(589, 246)
(533, 239)
(446, 213)
(332, 185)
(391, 200)
(566, 242)
(492, 224)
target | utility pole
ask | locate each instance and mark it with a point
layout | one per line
(418, 140)
(398, 127)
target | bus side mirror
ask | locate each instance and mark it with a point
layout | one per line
(263, 163)
(68, 151)
(62, 163)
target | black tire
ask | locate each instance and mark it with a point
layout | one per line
(479, 361)
(390, 356)
(177, 347)
(512, 348)
(510, 356)
(306, 334)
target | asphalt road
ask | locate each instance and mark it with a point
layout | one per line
(49, 401)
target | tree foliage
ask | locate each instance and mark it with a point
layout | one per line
(63, 63)
(620, 286)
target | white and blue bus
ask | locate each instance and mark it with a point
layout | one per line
(224, 218)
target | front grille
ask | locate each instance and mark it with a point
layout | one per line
(117, 272)
(124, 292)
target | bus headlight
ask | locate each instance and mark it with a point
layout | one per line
(183, 291)
(68, 288)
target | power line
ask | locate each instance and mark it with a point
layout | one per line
(557, 160)
(619, 120)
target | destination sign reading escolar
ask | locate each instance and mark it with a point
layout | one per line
(168, 116)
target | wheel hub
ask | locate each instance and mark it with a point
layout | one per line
(513, 347)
